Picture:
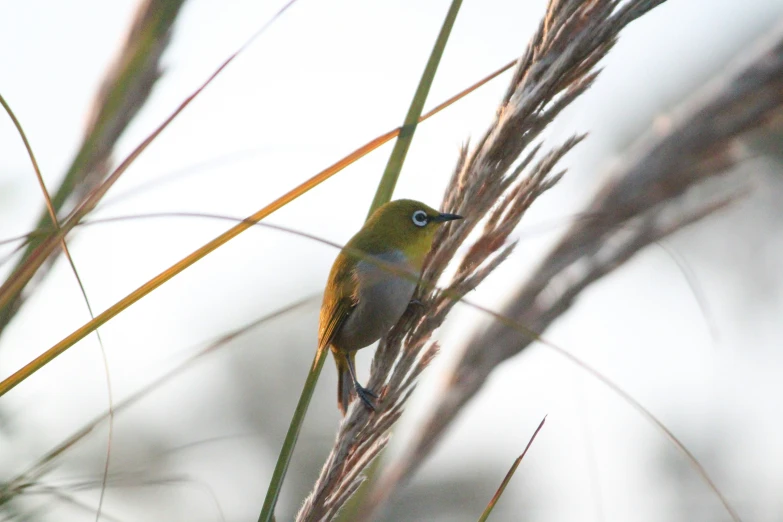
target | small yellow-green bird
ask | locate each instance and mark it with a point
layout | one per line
(364, 299)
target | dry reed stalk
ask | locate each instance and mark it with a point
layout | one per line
(125, 88)
(493, 185)
(636, 207)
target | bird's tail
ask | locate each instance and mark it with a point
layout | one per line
(345, 389)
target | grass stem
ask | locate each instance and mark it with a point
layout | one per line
(284, 459)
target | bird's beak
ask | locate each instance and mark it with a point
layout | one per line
(442, 218)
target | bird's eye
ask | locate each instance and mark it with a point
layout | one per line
(420, 218)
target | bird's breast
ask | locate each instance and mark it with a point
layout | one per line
(382, 295)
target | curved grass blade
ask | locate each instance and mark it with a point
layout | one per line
(695, 288)
(508, 476)
(65, 498)
(139, 481)
(66, 251)
(397, 158)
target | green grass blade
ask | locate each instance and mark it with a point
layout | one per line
(394, 166)
(508, 476)
(284, 459)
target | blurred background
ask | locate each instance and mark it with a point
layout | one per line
(691, 329)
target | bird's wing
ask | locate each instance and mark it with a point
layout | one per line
(339, 300)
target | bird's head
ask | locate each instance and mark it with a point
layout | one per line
(403, 225)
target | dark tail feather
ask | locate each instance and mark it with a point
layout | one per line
(345, 389)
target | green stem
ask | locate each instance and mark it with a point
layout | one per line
(284, 459)
(401, 146)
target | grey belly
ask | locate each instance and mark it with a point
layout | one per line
(383, 299)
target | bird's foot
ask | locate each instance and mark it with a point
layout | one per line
(365, 394)
(414, 304)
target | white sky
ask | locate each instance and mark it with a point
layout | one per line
(324, 79)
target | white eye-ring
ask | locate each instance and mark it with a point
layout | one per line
(420, 218)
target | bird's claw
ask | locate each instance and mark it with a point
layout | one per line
(413, 304)
(364, 394)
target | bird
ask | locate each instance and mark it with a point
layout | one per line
(371, 284)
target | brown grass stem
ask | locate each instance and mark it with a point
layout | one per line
(491, 505)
